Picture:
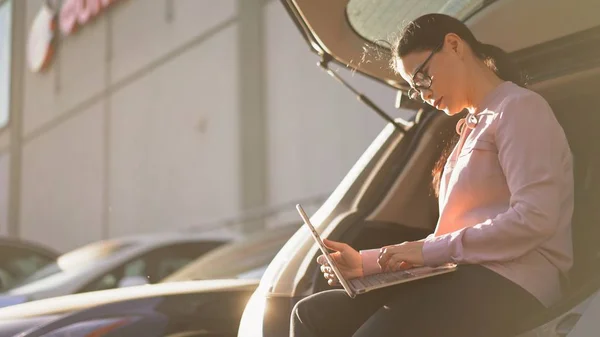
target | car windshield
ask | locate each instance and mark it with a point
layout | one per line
(77, 259)
(246, 259)
(378, 20)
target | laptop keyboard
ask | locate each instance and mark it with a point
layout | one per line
(377, 279)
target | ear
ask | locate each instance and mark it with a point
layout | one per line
(455, 44)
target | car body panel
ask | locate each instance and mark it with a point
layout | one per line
(164, 302)
(156, 308)
(71, 303)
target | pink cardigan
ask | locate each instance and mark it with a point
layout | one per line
(506, 196)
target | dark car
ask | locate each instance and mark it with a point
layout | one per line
(556, 42)
(113, 263)
(205, 298)
(20, 258)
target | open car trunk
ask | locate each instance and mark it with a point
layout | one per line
(560, 52)
(357, 33)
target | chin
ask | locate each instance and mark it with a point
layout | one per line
(450, 112)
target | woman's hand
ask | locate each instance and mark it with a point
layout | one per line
(346, 258)
(401, 256)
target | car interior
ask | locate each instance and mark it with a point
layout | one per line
(394, 200)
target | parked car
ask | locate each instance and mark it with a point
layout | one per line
(20, 258)
(556, 42)
(187, 302)
(114, 263)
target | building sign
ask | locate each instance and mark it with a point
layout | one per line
(66, 19)
(40, 44)
(75, 13)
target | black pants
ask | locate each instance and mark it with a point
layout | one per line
(470, 302)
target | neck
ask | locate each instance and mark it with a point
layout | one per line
(483, 81)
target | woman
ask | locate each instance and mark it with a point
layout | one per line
(505, 202)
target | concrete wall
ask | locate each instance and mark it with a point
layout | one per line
(174, 157)
(62, 182)
(4, 183)
(316, 126)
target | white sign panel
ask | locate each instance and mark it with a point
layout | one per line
(5, 47)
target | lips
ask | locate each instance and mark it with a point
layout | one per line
(437, 103)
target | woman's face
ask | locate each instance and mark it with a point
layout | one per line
(447, 71)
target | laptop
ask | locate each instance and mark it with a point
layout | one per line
(365, 284)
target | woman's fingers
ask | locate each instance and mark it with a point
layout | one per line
(328, 273)
(393, 258)
(333, 281)
(396, 266)
(337, 246)
(390, 261)
(397, 262)
(384, 256)
(321, 259)
(405, 265)
(330, 277)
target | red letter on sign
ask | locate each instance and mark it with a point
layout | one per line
(105, 3)
(68, 16)
(87, 9)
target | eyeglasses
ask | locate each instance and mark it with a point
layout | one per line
(421, 80)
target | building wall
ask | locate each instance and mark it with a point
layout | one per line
(135, 126)
(174, 157)
(62, 181)
(317, 128)
(4, 183)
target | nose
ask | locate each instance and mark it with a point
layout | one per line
(427, 96)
